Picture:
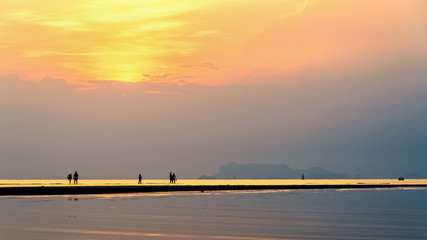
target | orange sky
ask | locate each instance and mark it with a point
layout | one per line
(206, 42)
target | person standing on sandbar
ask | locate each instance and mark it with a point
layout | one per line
(76, 177)
(69, 177)
(173, 178)
(139, 179)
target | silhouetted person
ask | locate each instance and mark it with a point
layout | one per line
(302, 176)
(173, 178)
(170, 177)
(76, 177)
(139, 179)
(69, 177)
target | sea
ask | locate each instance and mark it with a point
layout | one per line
(394, 213)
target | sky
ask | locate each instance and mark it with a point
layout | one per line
(116, 88)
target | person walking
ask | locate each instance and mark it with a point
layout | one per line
(139, 179)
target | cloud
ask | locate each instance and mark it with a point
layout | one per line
(166, 78)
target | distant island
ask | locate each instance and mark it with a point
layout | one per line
(274, 171)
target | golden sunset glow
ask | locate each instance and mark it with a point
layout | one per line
(208, 42)
(134, 40)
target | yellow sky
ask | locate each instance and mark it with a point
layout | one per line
(209, 42)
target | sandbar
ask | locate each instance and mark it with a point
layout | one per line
(60, 187)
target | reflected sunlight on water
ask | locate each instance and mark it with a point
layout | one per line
(399, 213)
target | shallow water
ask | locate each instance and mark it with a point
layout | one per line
(296, 214)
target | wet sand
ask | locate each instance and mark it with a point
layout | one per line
(60, 187)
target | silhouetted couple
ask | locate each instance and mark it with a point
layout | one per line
(172, 177)
(75, 177)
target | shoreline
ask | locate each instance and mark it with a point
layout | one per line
(74, 190)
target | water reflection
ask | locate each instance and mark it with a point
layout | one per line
(290, 214)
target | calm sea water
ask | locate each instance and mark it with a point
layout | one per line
(298, 214)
